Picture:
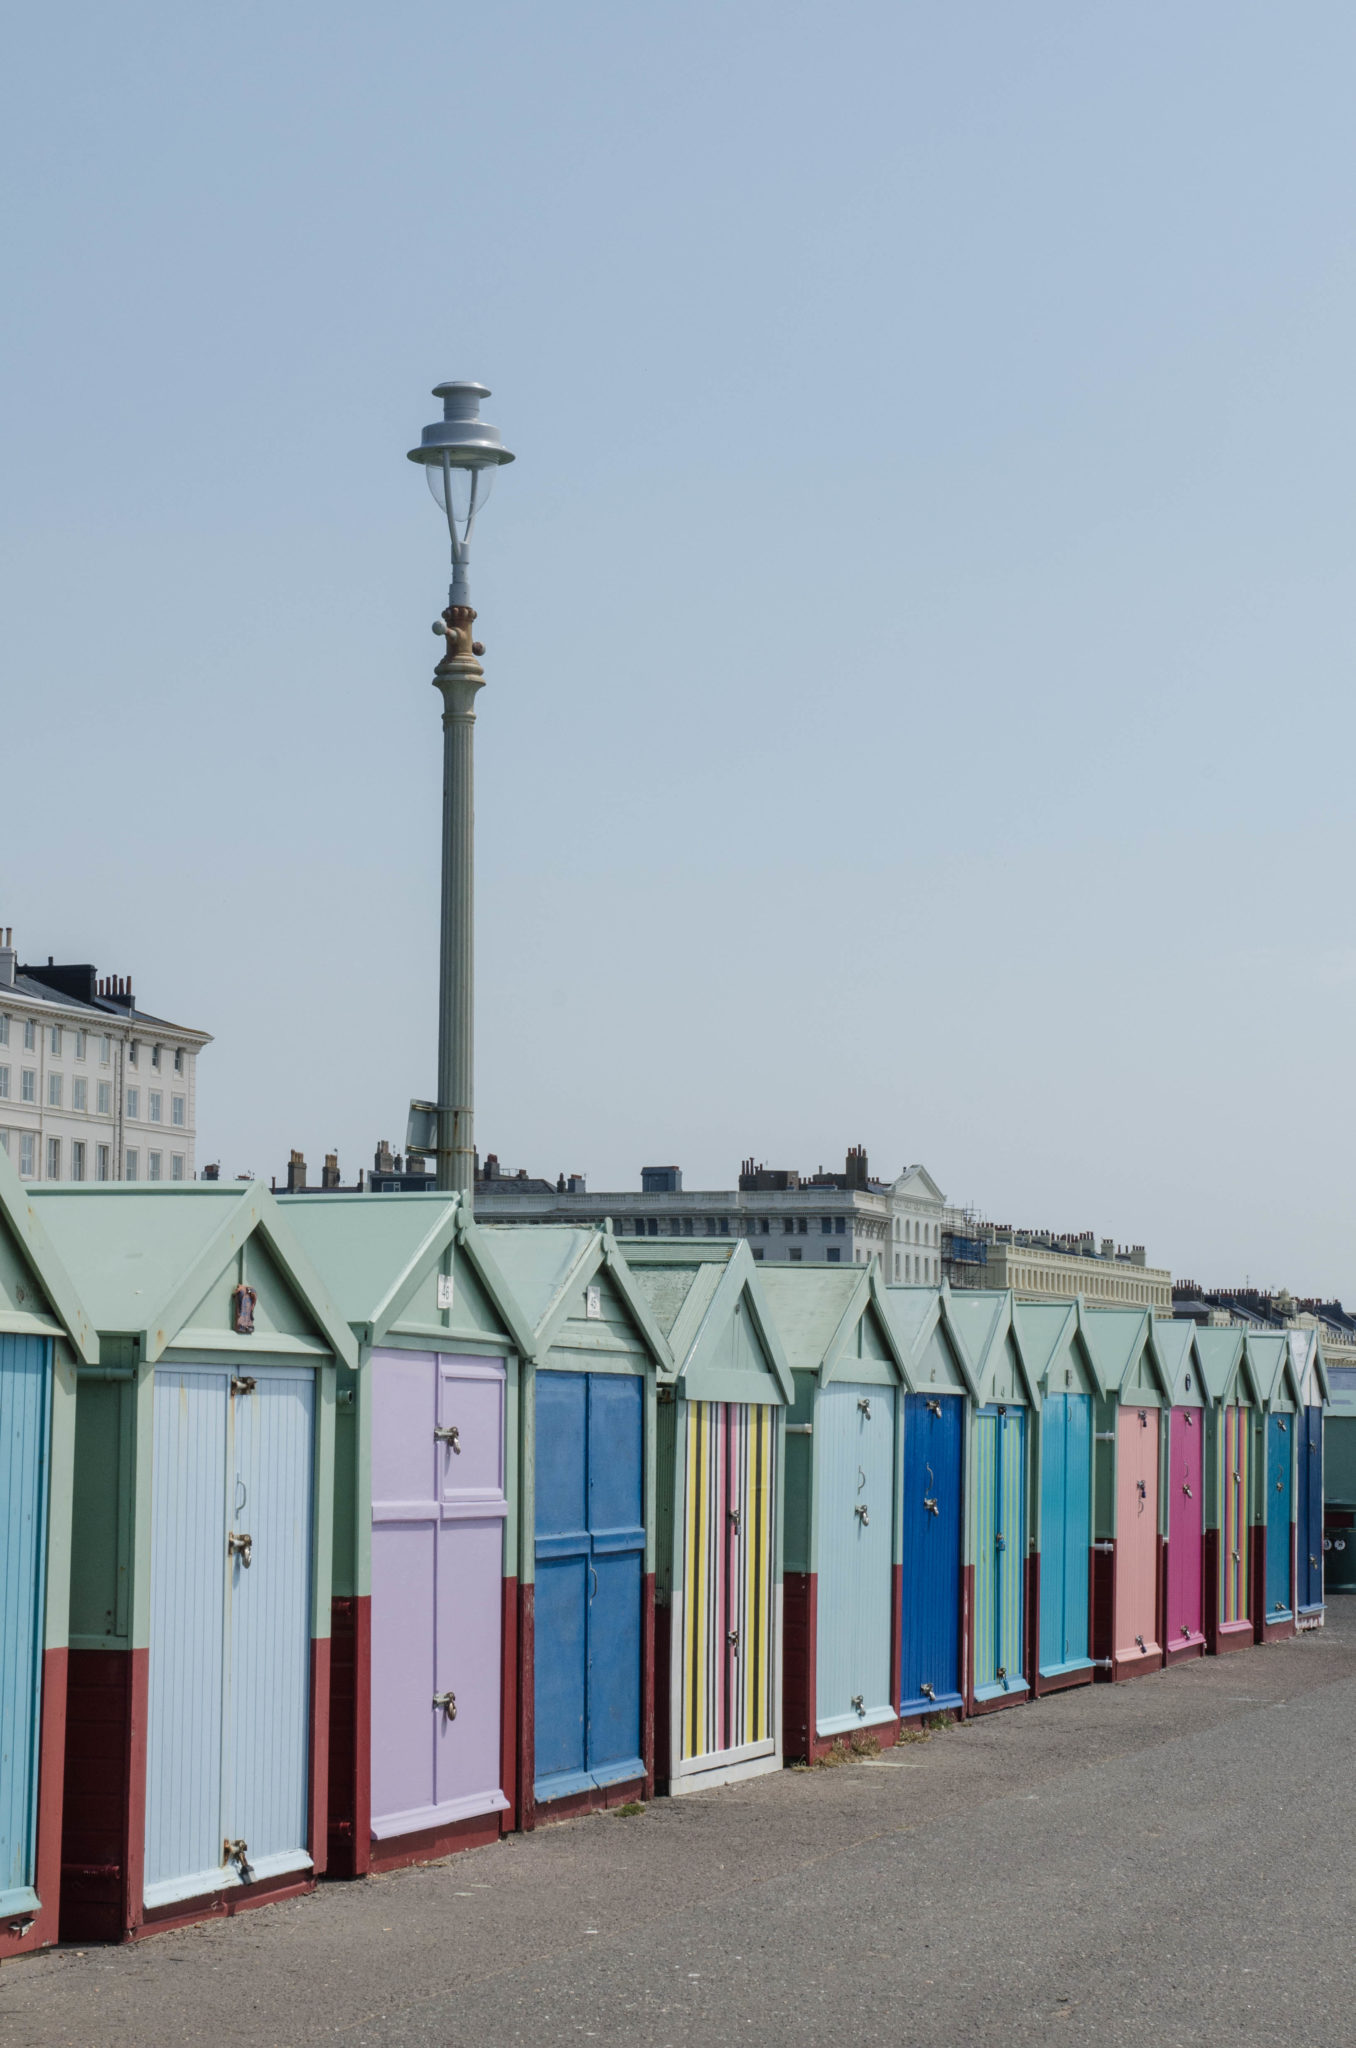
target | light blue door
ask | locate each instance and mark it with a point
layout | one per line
(25, 1407)
(227, 1738)
(854, 1452)
(1000, 1546)
(1066, 1531)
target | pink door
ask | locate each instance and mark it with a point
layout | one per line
(1186, 1499)
(438, 1512)
(1136, 1608)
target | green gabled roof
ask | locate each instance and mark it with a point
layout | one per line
(545, 1264)
(694, 1292)
(981, 1318)
(816, 1310)
(1041, 1327)
(1268, 1356)
(1174, 1343)
(1220, 1352)
(373, 1251)
(147, 1256)
(916, 1312)
(1115, 1338)
(38, 1254)
(1306, 1349)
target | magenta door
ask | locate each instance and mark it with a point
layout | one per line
(1186, 1542)
(438, 1512)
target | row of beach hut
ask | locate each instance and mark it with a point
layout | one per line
(342, 1532)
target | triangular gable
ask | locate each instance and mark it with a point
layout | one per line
(720, 1331)
(1174, 1343)
(1126, 1364)
(1268, 1356)
(37, 1296)
(1053, 1347)
(864, 1332)
(930, 1340)
(998, 1362)
(1310, 1367)
(1220, 1352)
(553, 1271)
(917, 1179)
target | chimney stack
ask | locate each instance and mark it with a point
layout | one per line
(296, 1174)
(7, 958)
(329, 1177)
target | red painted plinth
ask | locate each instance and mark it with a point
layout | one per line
(44, 1928)
(350, 1734)
(431, 1844)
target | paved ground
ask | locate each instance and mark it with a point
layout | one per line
(1170, 1859)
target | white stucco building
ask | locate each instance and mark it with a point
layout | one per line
(92, 1087)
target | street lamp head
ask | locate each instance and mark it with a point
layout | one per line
(460, 454)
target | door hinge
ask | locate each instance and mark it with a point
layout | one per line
(1105, 1548)
(241, 1547)
(448, 1702)
(1106, 1436)
(800, 1429)
(449, 1434)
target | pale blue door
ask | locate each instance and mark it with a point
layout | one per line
(25, 1405)
(854, 1448)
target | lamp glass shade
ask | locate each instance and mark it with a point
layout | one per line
(456, 479)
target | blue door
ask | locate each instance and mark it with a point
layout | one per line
(1310, 1515)
(854, 1457)
(25, 1404)
(1065, 1532)
(1279, 1498)
(930, 1647)
(1000, 1549)
(590, 1562)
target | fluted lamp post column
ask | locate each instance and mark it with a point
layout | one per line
(460, 454)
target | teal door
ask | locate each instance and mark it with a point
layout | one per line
(25, 1406)
(854, 1450)
(1280, 1493)
(1000, 1525)
(1065, 1532)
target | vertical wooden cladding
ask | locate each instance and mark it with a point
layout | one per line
(1135, 1609)
(439, 1507)
(1280, 1440)
(1234, 1471)
(855, 1435)
(931, 1679)
(1065, 1533)
(727, 1688)
(999, 1463)
(1184, 1617)
(1309, 1511)
(25, 1412)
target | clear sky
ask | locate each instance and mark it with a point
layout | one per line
(919, 621)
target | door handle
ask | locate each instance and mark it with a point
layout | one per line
(858, 1703)
(1000, 1542)
(238, 1853)
(734, 1520)
(864, 1407)
(926, 1692)
(450, 1434)
(935, 1408)
(733, 1638)
(448, 1702)
(863, 1517)
(1186, 1490)
(931, 1506)
(241, 1547)
(594, 1594)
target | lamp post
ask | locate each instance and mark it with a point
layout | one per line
(460, 454)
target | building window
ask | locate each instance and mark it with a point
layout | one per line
(77, 1160)
(826, 1225)
(80, 1093)
(803, 1224)
(4, 1030)
(4, 1082)
(687, 1226)
(134, 1102)
(54, 1091)
(133, 1049)
(896, 1265)
(131, 1162)
(840, 1225)
(81, 1041)
(758, 1251)
(101, 1162)
(834, 1254)
(27, 1149)
(105, 1051)
(178, 1059)
(788, 1225)
(4, 1142)
(176, 1166)
(30, 1035)
(105, 1098)
(54, 1159)
(725, 1226)
(796, 1253)
(152, 1166)
(28, 1085)
(155, 1103)
(155, 1057)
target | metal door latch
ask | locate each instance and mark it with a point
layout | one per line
(1002, 1675)
(733, 1638)
(1142, 1493)
(241, 1547)
(1280, 1487)
(734, 1520)
(862, 1515)
(931, 1505)
(865, 1407)
(449, 1434)
(1281, 1420)
(241, 1383)
(1000, 1542)
(238, 1853)
(19, 1928)
(926, 1692)
(1185, 1630)
(1312, 1558)
(858, 1703)
(1186, 1490)
(448, 1702)
(935, 1408)
(1140, 1641)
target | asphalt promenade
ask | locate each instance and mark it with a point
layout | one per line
(1169, 1860)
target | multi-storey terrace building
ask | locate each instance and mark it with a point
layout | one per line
(91, 1086)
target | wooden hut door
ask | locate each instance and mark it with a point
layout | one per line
(25, 1407)
(438, 1512)
(1184, 1622)
(1136, 1600)
(855, 1460)
(1309, 1510)
(1234, 1518)
(1000, 1515)
(1066, 1531)
(590, 1560)
(727, 1580)
(1280, 1495)
(930, 1638)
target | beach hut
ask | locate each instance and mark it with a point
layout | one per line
(1273, 1520)
(200, 1556)
(931, 1633)
(999, 1517)
(588, 1519)
(45, 1336)
(1311, 1377)
(844, 1442)
(423, 1674)
(718, 1576)
(1127, 1559)
(1228, 1478)
(1183, 1463)
(1060, 1568)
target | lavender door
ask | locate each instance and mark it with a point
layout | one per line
(1186, 1495)
(438, 1512)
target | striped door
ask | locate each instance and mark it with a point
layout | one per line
(1066, 1531)
(854, 1450)
(729, 1493)
(930, 1636)
(1279, 1514)
(1000, 1522)
(1184, 1620)
(1135, 1630)
(1233, 1519)
(25, 1407)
